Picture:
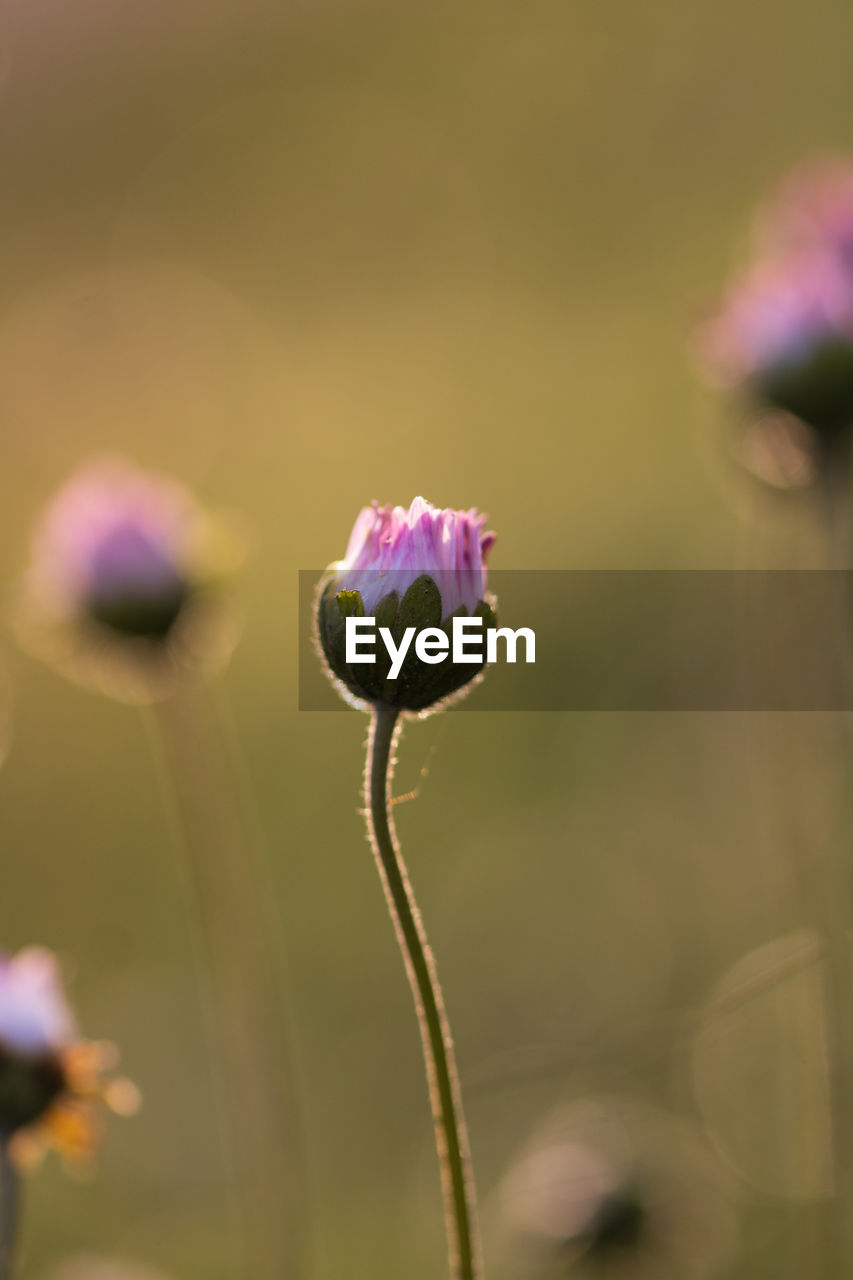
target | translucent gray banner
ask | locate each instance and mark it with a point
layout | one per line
(656, 640)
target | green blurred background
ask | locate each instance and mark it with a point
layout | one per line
(304, 255)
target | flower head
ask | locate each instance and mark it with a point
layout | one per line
(778, 314)
(34, 1014)
(120, 581)
(50, 1081)
(608, 1188)
(423, 539)
(783, 333)
(418, 566)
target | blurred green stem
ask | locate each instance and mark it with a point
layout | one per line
(8, 1210)
(239, 957)
(451, 1136)
(835, 884)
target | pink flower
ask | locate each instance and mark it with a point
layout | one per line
(116, 544)
(411, 570)
(778, 313)
(51, 1082)
(421, 540)
(783, 333)
(123, 587)
(34, 1016)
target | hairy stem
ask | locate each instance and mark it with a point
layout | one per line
(450, 1134)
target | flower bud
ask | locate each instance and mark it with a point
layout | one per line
(49, 1079)
(121, 586)
(35, 1025)
(414, 568)
(607, 1187)
(784, 335)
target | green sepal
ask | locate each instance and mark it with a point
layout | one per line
(420, 685)
(386, 611)
(420, 606)
(447, 625)
(485, 611)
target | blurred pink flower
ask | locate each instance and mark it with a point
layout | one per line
(778, 313)
(783, 332)
(52, 1084)
(122, 586)
(34, 1014)
(116, 544)
(408, 543)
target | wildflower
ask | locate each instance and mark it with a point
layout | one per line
(609, 1189)
(51, 1083)
(413, 571)
(418, 568)
(121, 591)
(784, 335)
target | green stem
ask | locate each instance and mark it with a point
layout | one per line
(8, 1210)
(450, 1134)
(833, 884)
(240, 965)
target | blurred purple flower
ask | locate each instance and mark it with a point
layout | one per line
(783, 333)
(34, 1014)
(408, 543)
(51, 1082)
(777, 314)
(120, 591)
(116, 545)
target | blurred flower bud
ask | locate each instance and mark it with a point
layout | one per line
(414, 568)
(784, 335)
(48, 1079)
(122, 588)
(609, 1188)
(35, 1026)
